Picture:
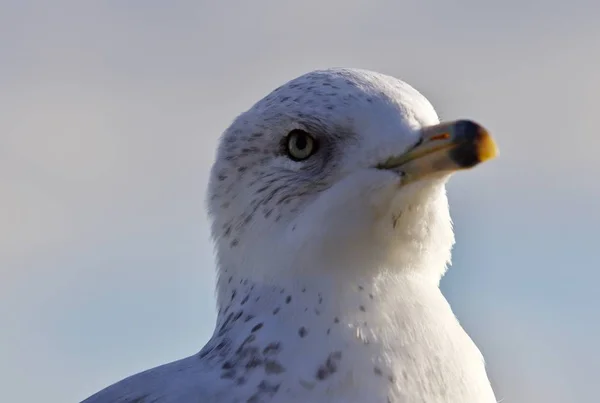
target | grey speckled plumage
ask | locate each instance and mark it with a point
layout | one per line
(328, 267)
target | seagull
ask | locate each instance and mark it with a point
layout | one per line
(332, 231)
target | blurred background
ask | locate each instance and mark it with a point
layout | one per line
(109, 117)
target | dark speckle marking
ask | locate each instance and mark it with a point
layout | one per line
(362, 308)
(272, 348)
(257, 327)
(225, 326)
(273, 367)
(249, 318)
(205, 351)
(253, 362)
(245, 299)
(330, 366)
(288, 299)
(322, 373)
(229, 374)
(243, 346)
(302, 331)
(377, 371)
(276, 311)
(336, 320)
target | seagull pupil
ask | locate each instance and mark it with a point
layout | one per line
(301, 142)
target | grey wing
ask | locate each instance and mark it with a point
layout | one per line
(183, 381)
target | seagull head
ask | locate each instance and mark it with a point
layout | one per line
(338, 172)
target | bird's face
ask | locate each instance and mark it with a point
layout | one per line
(343, 167)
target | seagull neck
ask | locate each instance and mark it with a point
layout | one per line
(376, 300)
(373, 330)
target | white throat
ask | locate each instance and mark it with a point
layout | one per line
(371, 339)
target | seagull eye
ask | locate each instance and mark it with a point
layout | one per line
(300, 145)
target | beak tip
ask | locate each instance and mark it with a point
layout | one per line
(480, 146)
(486, 147)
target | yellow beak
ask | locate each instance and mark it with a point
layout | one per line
(444, 148)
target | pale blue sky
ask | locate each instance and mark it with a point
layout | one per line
(109, 116)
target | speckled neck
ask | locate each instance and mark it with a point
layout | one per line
(310, 337)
